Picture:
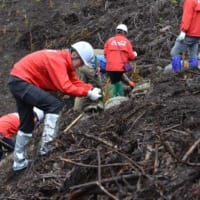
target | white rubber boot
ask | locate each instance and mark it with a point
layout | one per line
(49, 132)
(20, 161)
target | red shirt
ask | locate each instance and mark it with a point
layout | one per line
(51, 70)
(118, 51)
(9, 125)
(191, 18)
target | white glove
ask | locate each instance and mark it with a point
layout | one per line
(135, 53)
(94, 94)
(181, 36)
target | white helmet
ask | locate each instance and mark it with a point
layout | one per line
(122, 27)
(85, 51)
(39, 113)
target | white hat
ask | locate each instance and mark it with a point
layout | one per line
(122, 27)
(39, 113)
(85, 51)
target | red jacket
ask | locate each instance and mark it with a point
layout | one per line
(117, 55)
(51, 70)
(191, 18)
(9, 125)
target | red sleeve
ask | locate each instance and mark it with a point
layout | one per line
(77, 82)
(50, 70)
(188, 10)
(66, 80)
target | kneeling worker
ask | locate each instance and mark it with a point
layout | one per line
(9, 125)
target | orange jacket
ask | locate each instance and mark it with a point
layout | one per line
(118, 55)
(191, 18)
(51, 70)
(9, 125)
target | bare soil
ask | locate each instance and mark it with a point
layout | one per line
(148, 147)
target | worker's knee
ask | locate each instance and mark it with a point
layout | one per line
(55, 107)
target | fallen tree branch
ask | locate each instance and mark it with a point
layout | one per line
(93, 166)
(106, 191)
(73, 122)
(137, 119)
(191, 149)
(98, 139)
(106, 180)
(99, 177)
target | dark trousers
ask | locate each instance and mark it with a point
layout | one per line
(27, 96)
(9, 147)
(115, 76)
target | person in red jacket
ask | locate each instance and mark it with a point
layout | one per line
(9, 125)
(30, 80)
(189, 36)
(118, 50)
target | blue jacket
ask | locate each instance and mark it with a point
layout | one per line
(101, 61)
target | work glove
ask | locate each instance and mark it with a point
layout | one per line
(94, 94)
(131, 84)
(181, 36)
(135, 53)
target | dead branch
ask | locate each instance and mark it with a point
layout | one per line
(140, 116)
(191, 149)
(100, 39)
(106, 180)
(156, 162)
(106, 191)
(99, 177)
(73, 123)
(99, 140)
(93, 166)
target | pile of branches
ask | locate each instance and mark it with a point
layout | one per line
(145, 148)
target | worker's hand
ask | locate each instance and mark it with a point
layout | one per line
(131, 84)
(135, 53)
(181, 36)
(94, 94)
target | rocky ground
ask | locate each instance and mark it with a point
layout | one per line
(148, 147)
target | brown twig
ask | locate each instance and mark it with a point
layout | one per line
(98, 139)
(99, 165)
(99, 177)
(137, 119)
(166, 143)
(106, 191)
(93, 166)
(106, 180)
(170, 128)
(100, 39)
(191, 149)
(73, 123)
(133, 164)
(156, 162)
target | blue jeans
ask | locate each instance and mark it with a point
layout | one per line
(189, 43)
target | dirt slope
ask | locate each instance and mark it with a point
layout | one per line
(140, 150)
(31, 25)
